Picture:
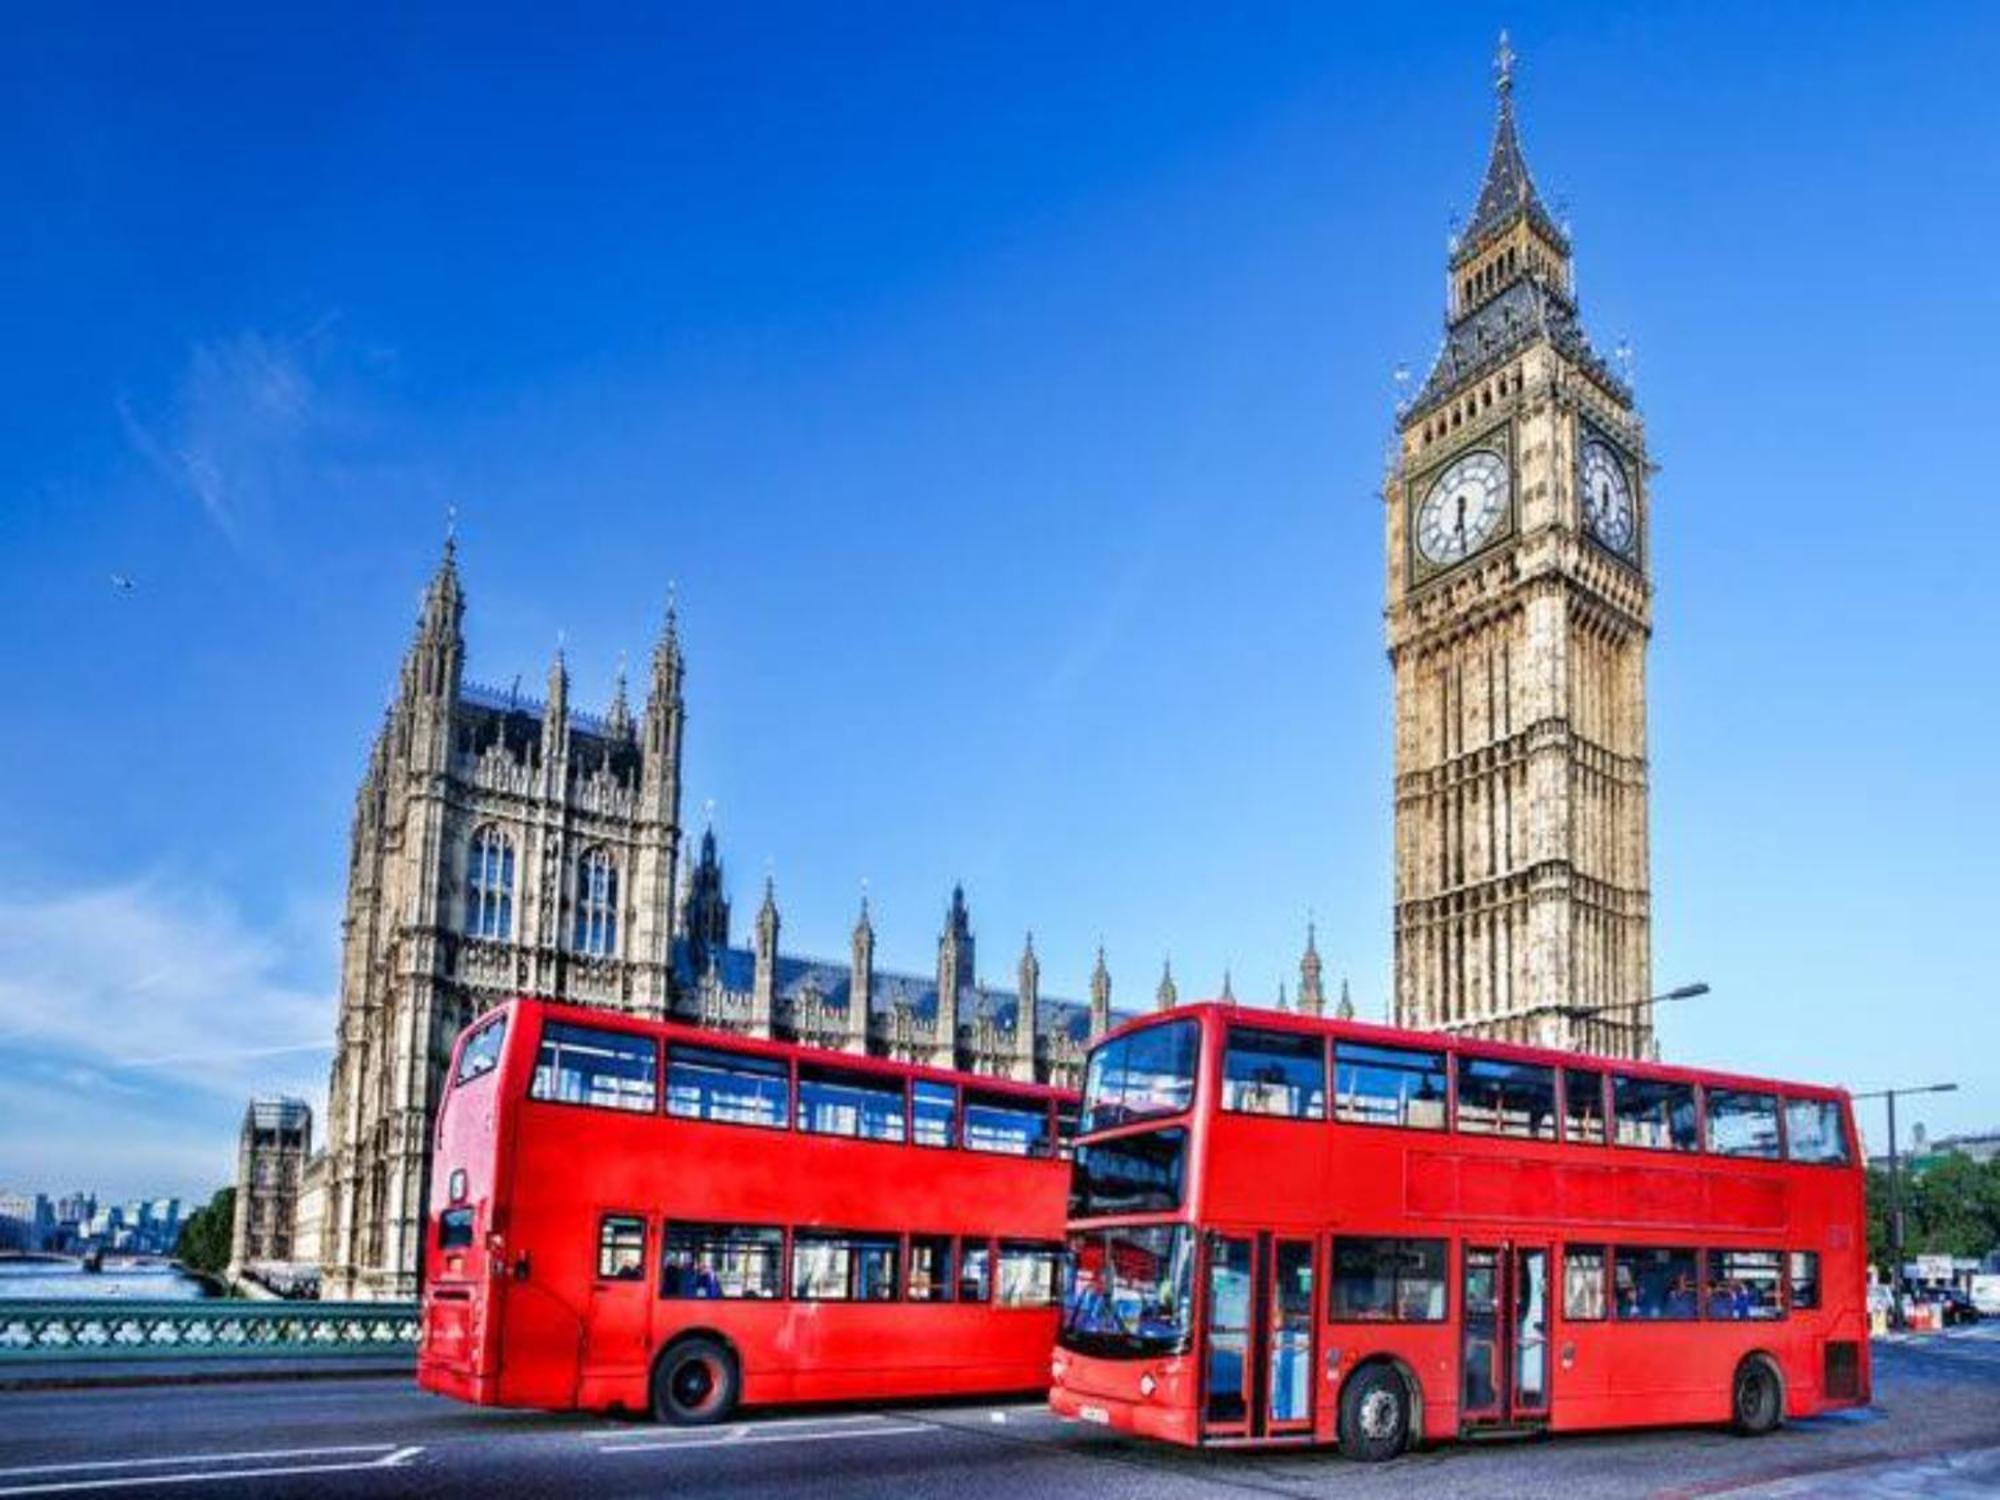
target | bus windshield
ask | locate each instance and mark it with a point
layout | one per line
(1129, 1291)
(1149, 1072)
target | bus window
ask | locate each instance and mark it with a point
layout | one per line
(1657, 1113)
(455, 1229)
(1388, 1086)
(1583, 1283)
(933, 1113)
(1804, 1272)
(1388, 1280)
(1028, 1274)
(1005, 1125)
(1813, 1131)
(1146, 1072)
(1506, 1098)
(1129, 1174)
(621, 1248)
(1742, 1124)
(930, 1268)
(833, 1101)
(1583, 1106)
(843, 1267)
(1274, 1073)
(975, 1270)
(481, 1053)
(1654, 1284)
(721, 1260)
(705, 1083)
(583, 1065)
(1743, 1285)
(1131, 1290)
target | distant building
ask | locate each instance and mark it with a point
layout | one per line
(1924, 1153)
(271, 1154)
(27, 1221)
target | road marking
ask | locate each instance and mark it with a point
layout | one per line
(387, 1459)
(737, 1438)
(260, 1456)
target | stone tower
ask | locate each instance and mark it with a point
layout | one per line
(271, 1154)
(1519, 608)
(500, 846)
(505, 846)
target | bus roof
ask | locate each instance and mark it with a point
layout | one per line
(1377, 1034)
(708, 1036)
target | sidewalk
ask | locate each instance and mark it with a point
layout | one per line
(88, 1374)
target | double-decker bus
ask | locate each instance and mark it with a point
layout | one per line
(655, 1217)
(1290, 1230)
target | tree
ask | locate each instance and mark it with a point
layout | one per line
(1951, 1207)
(206, 1236)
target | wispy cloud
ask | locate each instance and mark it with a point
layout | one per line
(246, 427)
(149, 975)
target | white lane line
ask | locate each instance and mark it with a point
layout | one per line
(731, 1440)
(260, 1456)
(395, 1460)
(760, 1425)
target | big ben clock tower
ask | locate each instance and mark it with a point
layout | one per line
(1518, 613)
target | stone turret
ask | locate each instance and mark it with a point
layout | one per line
(1028, 1016)
(1312, 997)
(861, 980)
(957, 973)
(1100, 997)
(764, 984)
(1168, 995)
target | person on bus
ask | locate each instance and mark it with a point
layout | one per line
(1680, 1301)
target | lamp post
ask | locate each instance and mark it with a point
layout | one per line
(1896, 1190)
(1679, 992)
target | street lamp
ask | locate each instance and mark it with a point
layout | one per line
(1896, 1190)
(1679, 992)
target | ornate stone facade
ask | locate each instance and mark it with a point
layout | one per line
(1519, 609)
(503, 846)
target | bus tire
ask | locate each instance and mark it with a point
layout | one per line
(695, 1382)
(1757, 1397)
(1374, 1414)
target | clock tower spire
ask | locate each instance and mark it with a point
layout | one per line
(1519, 609)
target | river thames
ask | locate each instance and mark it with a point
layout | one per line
(22, 1281)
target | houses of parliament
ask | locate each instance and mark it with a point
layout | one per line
(504, 844)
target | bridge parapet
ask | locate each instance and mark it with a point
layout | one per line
(84, 1330)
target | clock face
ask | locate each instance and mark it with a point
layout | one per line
(1607, 498)
(1463, 509)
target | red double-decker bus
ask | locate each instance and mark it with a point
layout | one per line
(654, 1217)
(1288, 1230)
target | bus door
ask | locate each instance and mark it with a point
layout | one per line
(1257, 1336)
(1504, 1335)
(618, 1336)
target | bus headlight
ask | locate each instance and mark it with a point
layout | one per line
(1058, 1367)
(1148, 1385)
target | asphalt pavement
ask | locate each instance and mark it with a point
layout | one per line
(1934, 1433)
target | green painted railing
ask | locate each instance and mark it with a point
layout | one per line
(182, 1330)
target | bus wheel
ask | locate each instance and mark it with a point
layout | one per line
(695, 1383)
(1374, 1414)
(1759, 1402)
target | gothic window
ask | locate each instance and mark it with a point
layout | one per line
(596, 904)
(489, 887)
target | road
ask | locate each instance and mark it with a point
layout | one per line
(1935, 1433)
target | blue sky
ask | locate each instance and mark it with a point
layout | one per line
(1006, 391)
